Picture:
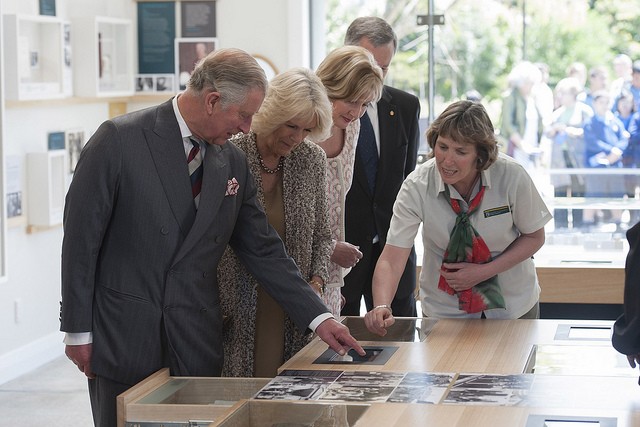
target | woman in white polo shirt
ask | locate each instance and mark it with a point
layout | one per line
(482, 220)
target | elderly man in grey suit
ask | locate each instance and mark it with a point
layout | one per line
(157, 195)
(394, 136)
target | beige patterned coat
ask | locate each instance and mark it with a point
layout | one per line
(308, 242)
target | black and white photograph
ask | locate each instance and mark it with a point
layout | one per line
(67, 69)
(34, 60)
(356, 386)
(418, 387)
(13, 165)
(500, 390)
(164, 83)
(298, 385)
(365, 378)
(423, 379)
(75, 142)
(144, 83)
(327, 374)
(357, 393)
(427, 394)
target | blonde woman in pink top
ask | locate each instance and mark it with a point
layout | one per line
(353, 80)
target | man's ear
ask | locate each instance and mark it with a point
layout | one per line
(211, 99)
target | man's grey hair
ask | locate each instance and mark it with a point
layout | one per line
(232, 72)
(377, 30)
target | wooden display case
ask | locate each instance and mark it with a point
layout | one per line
(470, 345)
(252, 413)
(466, 372)
(106, 66)
(34, 59)
(195, 401)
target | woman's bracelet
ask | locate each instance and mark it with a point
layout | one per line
(388, 307)
(318, 286)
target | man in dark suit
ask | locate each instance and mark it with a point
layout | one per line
(142, 244)
(369, 206)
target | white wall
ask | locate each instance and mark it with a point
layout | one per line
(276, 29)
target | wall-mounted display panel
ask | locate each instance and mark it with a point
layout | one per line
(106, 65)
(33, 52)
(46, 187)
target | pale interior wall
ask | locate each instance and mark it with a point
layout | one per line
(276, 29)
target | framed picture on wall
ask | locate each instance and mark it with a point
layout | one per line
(198, 18)
(144, 83)
(151, 84)
(164, 83)
(13, 167)
(48, 7)
(75, 142)
(188, 52)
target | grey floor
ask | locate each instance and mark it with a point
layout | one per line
(53, 395)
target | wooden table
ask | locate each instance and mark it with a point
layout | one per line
(456, 345)
(588, 381)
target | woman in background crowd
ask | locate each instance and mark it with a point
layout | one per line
(522, 124)
(566, 133)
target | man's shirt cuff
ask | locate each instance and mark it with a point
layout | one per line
(78, 338)
(321, 318)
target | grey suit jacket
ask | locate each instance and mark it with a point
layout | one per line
(139, 262)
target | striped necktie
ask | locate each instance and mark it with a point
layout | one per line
(195, 170)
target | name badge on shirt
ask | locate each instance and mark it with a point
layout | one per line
(496, 211)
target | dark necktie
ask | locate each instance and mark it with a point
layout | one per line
(195, 170)
(368, 151)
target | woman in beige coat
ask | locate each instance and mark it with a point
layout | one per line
(290, 173)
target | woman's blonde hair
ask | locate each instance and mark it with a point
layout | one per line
(350, 73)
(295, 94)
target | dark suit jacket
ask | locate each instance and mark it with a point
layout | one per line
(139, 262)
(626, 330)
(398, 115)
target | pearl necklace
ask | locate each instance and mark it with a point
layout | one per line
(266, 169)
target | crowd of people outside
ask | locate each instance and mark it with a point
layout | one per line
(589, 122)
